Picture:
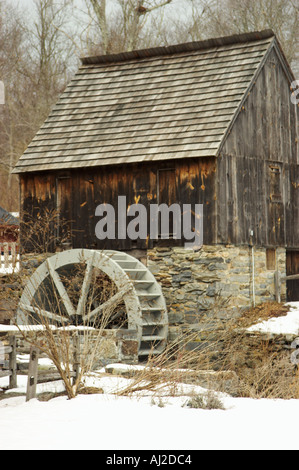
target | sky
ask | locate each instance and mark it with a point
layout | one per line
(176, 10)
(177, 6)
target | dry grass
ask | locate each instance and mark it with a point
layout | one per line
(205, 401)
(262, 312)
(166, 372)
(262, 366)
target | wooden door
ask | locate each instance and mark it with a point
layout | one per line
(292, 268)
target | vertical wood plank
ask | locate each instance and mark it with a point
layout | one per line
(76, 357)
(6, 255)
(13, 255)
(277, 284)
(32, 374)
(13, 362)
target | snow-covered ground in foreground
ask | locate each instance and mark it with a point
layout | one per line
(107, 422)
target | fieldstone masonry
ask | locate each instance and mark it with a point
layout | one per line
(214, 282)
(119, 345)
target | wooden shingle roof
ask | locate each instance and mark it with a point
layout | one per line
(6, 218)
(155, 104)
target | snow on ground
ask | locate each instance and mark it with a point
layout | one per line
(288, 325)
(107, 422)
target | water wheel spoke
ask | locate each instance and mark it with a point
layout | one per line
(85, 286)
(61, 289)
(73, 288)
(115, 299)
(43, 313)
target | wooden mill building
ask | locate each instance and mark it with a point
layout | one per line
(207, 122)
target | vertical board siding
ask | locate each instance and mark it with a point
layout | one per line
(263, 134)
(77, 196)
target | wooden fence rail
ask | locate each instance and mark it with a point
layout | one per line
(9, 258)
(35, 376)
(11, 372)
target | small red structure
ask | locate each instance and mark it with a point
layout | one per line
(9, 227)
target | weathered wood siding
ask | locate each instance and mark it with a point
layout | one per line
(157, 129)
(77, 193)
(258, 177)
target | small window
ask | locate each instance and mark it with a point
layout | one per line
(275, 183)
(271, 259)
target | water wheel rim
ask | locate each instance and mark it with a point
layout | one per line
(142, 295)
(94, 259)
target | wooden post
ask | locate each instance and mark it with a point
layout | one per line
(32, 373)
(6, 255)
(13, 255)
(13, 362)
(277, 283)
(76, 357)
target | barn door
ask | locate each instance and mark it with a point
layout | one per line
(292, 268)
(64, 211)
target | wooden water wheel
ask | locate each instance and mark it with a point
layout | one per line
(87, 287)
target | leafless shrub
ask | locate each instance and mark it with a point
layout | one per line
(72, 344)
(205, 401)
(44, 231)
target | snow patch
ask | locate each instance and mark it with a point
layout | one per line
(287, 325)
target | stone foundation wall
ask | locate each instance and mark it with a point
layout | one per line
(202, 289)
(118, 346)
(215, 282)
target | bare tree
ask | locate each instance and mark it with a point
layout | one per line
(215, 18)
(36, 61)
(122, 29)
(226, 17)
(11, 49)
(49, 49)
(188, 24)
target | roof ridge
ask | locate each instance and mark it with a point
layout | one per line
(69, 139)
(174, 49)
